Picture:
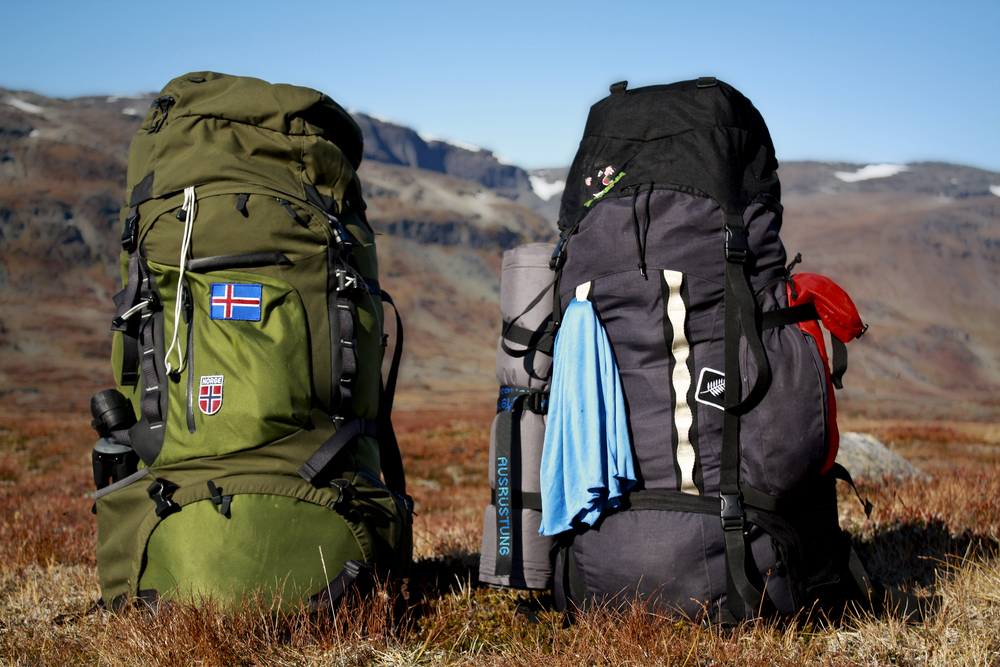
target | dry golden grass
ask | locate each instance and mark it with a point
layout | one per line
(937, 537)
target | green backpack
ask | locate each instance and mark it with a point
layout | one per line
(244, 448)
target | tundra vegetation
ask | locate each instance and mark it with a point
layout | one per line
(936, 537)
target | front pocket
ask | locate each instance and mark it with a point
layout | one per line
(284, 548)
(251, 383)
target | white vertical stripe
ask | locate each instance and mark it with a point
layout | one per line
(582, 291)
(683, 416)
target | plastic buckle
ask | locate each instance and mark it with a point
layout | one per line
(737, 245)
(537, 402)
(346, 280)
(347, 492)
(733, 517)
(130, 236)
(160, 491)
(152, 299)
(339, 233)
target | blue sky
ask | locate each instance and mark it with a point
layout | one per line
(865, 82)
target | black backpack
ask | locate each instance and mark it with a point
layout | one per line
(672, 213)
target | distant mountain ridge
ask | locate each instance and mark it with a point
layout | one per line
(393, 144)
(917, 246)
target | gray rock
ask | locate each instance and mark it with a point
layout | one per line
(864, 455)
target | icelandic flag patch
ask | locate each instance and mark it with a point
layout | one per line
(236, 301)
(210, 393)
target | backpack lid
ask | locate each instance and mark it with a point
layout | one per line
(207, 127)
(278, 107)
(700, 136)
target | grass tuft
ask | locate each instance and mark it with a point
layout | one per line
(939, 538)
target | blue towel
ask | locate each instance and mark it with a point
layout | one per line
(587, 455)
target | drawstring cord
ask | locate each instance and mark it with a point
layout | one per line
(188, 209)
(640, 239)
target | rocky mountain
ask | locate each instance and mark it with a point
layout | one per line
(917, 246)
(388, 143)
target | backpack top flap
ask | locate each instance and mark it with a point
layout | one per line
(208, 127)
(701, 136)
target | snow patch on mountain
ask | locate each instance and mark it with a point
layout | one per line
(995, 189)
(23, 106)
(871, 171)
(544, 189)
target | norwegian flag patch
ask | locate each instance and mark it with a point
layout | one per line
(210, 393)
(236, 301)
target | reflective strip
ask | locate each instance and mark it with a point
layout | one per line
(681, 380)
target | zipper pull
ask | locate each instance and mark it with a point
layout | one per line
(187, 304)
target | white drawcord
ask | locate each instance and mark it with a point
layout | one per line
(189, 211)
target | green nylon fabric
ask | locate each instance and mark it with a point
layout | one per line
(265, 396)
(244, 130)
(233, 136)
(284, 548)
(132, 549)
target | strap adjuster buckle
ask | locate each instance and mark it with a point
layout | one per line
(130, 237)
(737, 245)
(731, 512)
(346, 280)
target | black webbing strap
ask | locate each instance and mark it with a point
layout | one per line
(556, 263)
(670, 500)
(525, 500)
(516, 399)
(315, 470)
(804, 313)
(840, 472)
(502, 491)
(343, 282)
(389, 454)
(542, 340)
(839, 362)
(346, 313)
(745, 579)
(742, 319)
(791, 315)
(150, 403)
(355, 576)
(126, 300)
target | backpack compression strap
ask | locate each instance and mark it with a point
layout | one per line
(742, 318)
(317, 470)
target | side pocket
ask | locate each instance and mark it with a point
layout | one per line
(388, 520)
(784, 439)
(125, 518)
(817, 551)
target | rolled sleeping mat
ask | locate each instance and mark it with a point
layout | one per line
(526, 310)
(513, 553)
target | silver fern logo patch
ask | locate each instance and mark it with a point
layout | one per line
(711, 388)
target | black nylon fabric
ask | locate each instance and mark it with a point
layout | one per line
(675, 561)
(696, 158)
(631, 310)
(707, 140)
